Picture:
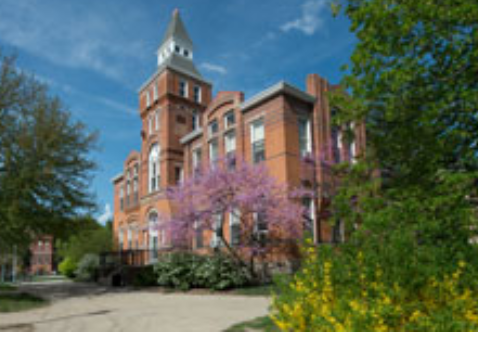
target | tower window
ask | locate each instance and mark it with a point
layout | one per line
(183, 88)
(197, 94)
(186, 53)
(148, 99)
(154, 170)
(177, 49)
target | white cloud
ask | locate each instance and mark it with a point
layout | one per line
(311, 20)
(66, 35)
(213, 68)
(106, 215)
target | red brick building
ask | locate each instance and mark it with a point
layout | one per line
(183, 126)
(41, 259)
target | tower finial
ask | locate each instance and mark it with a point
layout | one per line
(176, 11)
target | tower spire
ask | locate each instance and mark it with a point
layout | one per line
(176, 49)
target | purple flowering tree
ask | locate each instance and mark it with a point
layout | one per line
(268, 217)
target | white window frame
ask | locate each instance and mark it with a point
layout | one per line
(227, 125)
(197, 91)
(211, 132)
(213, 160)
(230, 142)
(183, 90)
(305, 141)
(155, 92)
(234, 221)
(196, 122)
(157, 116)
(148, 99)
(154, 170)
(257, 137)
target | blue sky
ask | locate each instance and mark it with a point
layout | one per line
(95, 55)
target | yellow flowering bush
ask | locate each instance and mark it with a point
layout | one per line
(316, 299)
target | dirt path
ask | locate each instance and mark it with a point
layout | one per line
(77, 307)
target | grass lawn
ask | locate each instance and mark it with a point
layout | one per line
(261, 324)
(263, 290)
(7, 287)
(16, 302)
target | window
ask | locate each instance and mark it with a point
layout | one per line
(183, 88)
(136, 184)
(235, 227)
(177, 49)
(260, 227)
(213, 128)
(153, 222)
(121, 196)
(257, 141)
(157, 119)
(337, 144)
(352, 146)
(150, 125)
(197, 94)
(128, 192)
(213, 153)
(154, 170)
(310, 212)
(155, 92)
(186, 53)
(196, 160)
(338, 233)
(217, 231)
(230, 142)
(230, 148)
(229, 120)
(120, 240)
(148, 99)
(199, 238)
(130, 239)
(178, 173)
(305, 141)
(196, 120)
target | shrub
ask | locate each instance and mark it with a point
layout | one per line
(220, 272)
(146, 277)
(186, 270)
(67, 267)
(318, 299)
(87, 269)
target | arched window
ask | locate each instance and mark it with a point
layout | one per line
(153, 234)
(154, 169)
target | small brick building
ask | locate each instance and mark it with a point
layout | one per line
(41, 256)
(184, 127)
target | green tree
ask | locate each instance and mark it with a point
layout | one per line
(88, 237)
(45, 162)
(413, 79)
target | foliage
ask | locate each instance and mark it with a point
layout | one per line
(146, 277)
(20, 302)
(261, 324)
(88, 237)
(45, 161)
(328, 295)
(87, 269)
(187, 270)
(67, 267)
(413, 79)
(202, 203)
(409, 262)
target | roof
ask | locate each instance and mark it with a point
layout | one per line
(281, 87)
(176, 29)
(117, 178)
(179, 64)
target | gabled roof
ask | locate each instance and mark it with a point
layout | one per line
(176, 29)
